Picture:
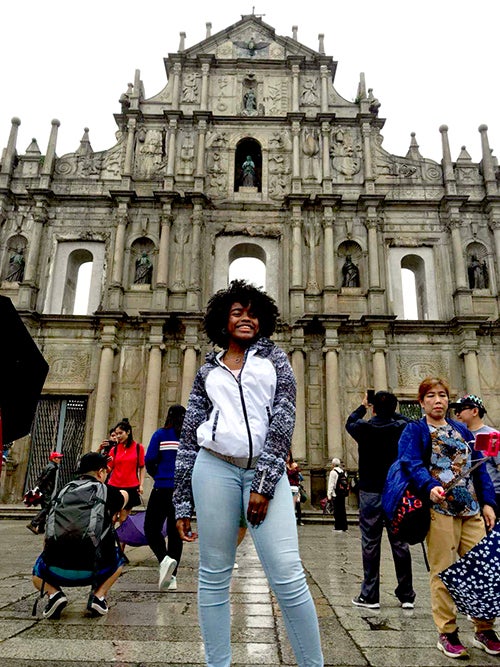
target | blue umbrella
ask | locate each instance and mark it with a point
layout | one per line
(474, 580)
(131, 531)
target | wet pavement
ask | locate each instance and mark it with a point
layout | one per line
(147, 628)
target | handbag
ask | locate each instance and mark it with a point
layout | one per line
(33, 497)
(408, 515)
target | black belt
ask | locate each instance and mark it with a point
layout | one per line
(239, 461)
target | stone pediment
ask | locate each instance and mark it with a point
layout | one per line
(250, 39)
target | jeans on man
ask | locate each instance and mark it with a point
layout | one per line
(371, 523)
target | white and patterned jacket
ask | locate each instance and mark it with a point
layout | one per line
(250, 416)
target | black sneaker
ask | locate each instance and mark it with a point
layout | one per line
(360, 601)
(55, 605)
(96, 606)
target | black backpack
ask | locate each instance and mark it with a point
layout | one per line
(342, 486)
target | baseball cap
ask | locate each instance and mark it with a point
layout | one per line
(469, 401)
(91, 462)
(55, 455)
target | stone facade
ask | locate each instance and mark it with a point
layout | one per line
(333, 216)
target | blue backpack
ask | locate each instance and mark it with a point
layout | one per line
(408, 514)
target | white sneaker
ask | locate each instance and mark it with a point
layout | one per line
(167, 566)
(172, 584)
(235, 566)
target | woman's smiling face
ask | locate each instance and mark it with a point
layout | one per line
(242, 324)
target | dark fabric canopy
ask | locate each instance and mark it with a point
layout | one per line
(474, 580)
(23, 372)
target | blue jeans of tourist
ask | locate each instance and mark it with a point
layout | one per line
(221, 492)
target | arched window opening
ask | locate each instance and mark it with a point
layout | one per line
(410, 308)
(248, 165)
(77, 283)
(248, 261)
(82, 293)
(414, 288)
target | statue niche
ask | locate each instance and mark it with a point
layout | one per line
(248, 166)
(477, 273)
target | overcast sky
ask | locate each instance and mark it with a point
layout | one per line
(429, 62)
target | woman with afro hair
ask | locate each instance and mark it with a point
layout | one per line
(231, 460)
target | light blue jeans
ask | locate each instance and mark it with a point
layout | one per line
(221, 492)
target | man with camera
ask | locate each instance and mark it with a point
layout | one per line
(377, 440)
(80, 547)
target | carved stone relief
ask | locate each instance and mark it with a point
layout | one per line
(345, 153)
(149, 158)
(68, 366)
(413, 368)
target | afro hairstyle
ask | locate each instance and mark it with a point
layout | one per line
(239, 291)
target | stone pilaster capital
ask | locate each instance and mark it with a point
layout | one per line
(331, 348)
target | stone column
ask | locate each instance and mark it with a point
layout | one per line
(367, 150)
(295, 87)
(194, 272)
(325, 134)
(10, 154)
(176, 86)
(333, 416)
(296, 150)
(296, 246)
(373, 261)
(487, 162)
(495, 228)
(172, 139)
(199, 180)
(28, 290)
(458, 255)
(50, 157)
(299, 433)
(205, 69)
(472, 380)
(188, 371)
(118, 254)
(328, 248)
(448, 173)
(104, 384)
(40, 216)
(160, 293)
(129, 149)
(379, 369)
(324, 88)
(153, 384)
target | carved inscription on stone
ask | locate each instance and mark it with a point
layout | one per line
(68, 366)
(413, 368)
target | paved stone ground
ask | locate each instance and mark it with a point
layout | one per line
(147, 628)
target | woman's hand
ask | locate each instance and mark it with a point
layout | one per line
(257, 508)
(141, 489)
(489, 516)
(437, 494)
(184, 530)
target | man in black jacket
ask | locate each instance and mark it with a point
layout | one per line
(377, 440)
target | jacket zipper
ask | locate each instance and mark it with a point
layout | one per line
(245, 415)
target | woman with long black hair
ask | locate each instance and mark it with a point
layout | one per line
(160, 464)
(126, 464)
